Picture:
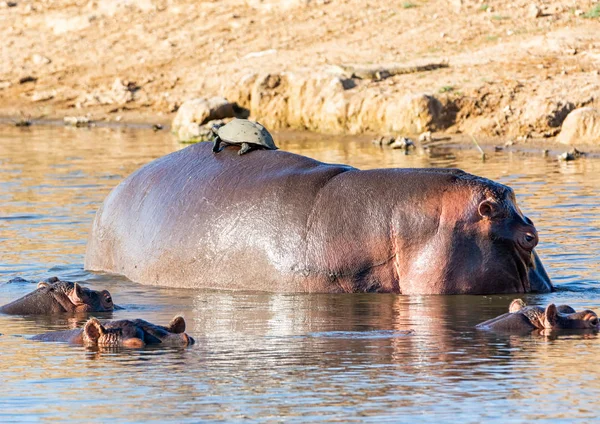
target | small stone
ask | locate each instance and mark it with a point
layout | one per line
(498, 148)
(42, 96)
(402, 143)
(509, 143)
(425, 137)
(157, 127)
(77, 121)
(38, 59)
(5, 84)
(533, 11)
(579, 12)
(378, 141)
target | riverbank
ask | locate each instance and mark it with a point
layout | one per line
(507, 70)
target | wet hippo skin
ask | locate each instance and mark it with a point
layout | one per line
(522, 318)
(124, 333)
(281, 222)
(55, 296)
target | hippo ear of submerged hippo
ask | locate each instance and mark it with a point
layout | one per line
(550, 317)
(93, 330)
(177, 325)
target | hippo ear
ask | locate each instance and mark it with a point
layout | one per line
(489, 209)
(551, 316)
(93, 330)
(75, 295)
(42, 284)
(516, 305)
(177, 325)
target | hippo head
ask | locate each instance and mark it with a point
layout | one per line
(81, 298)
(135, 333)
(523, 318)
(502, 258)
(557, 317)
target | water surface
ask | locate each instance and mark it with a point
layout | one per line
(292, 357)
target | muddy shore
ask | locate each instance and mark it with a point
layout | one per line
(503, 70)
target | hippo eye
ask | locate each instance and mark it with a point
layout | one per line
(108, 299)
(529, 237)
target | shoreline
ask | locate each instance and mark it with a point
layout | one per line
(457, 142)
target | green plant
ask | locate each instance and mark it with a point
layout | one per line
(446, 89)
(491, 37)
(499, 18)
(408, 5)
(593, 13)
(484, 7)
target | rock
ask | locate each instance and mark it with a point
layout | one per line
(77, 121)
(581, 126)
(533, 11)
(61, 25)
(5, 84)
(413, 114)
(122, 92)
(42, 96)
(572, 154)
(425, 137)
(194, 114)
(402, 143)
(544, 115)
(38, 59)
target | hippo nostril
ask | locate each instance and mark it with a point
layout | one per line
(594, 322)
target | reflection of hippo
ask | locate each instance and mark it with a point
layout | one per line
(124, 333)
(57, 296)
(522, 318)
(277, 221)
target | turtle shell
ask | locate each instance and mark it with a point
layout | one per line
(241, 131)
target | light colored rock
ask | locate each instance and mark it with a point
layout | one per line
(581, 126)
(544, 114)
(38, 59)
(77, 121)
(413, 114)
(61, 25)
(193, 114)
(41, 96)
(121, 92)
(5, 84)
(533, 11)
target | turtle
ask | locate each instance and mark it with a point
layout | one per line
(249, 134)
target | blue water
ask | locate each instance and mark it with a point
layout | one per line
(289, 358)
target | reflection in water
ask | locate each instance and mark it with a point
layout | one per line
(292, 357)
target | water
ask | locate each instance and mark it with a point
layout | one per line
(292, 358)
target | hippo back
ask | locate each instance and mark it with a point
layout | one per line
(198, 219)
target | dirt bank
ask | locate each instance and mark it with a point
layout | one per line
(503, 68)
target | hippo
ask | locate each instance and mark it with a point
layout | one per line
(523, 318)
(281, 222)
(124, 333)
(55, 296)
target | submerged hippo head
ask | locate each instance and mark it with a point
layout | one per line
(55, 296)
(135, 333)
(492, 248)
(522, 318)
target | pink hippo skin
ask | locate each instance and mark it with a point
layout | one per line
(280, 222)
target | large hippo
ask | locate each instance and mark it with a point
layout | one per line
(55, 296)
(522, 318)
(281, 222)
(124, 333)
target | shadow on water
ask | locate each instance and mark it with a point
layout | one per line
(288, 357)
